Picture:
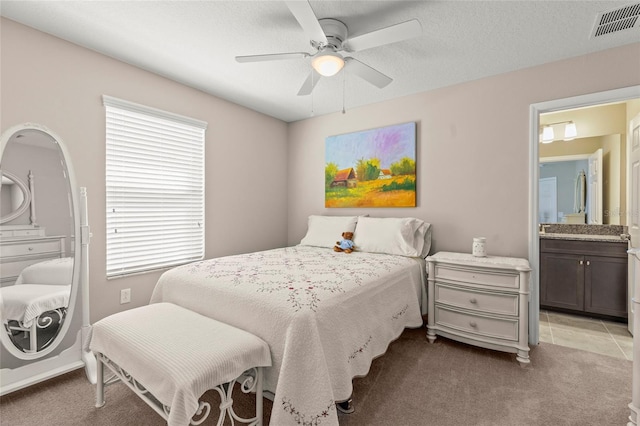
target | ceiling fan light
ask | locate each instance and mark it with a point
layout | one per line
(570, 131)
(328, 64)
(547, 134)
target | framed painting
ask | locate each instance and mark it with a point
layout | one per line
(372, 168)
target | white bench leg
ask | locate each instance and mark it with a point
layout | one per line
(259, 400)
(33, 336)
(99, 382)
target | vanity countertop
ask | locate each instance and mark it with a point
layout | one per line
(583, 237)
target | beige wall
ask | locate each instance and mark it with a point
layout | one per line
(48, 81)
(595, 121)
(473, 149)
(614, 179)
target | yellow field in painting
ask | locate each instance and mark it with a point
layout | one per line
(369, 194)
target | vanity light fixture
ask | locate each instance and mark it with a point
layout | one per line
(570, 131)
(328, 64)
(548, 132)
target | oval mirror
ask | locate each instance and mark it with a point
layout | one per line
(16, 196)
(39, 251)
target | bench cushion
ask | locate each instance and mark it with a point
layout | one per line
(26, 302)
(177, 354)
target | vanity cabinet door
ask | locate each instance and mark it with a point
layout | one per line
(606, 286)
(562, 281)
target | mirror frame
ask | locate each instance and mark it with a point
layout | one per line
(26, 191)
(75, 284)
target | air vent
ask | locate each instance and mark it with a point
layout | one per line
(616, 20)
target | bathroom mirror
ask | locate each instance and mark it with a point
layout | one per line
(43, 293)
(600, 128)
(604, 190)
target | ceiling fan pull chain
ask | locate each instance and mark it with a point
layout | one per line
(312, 76)
(343, 90)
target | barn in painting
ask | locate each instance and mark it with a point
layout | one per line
(345, 177)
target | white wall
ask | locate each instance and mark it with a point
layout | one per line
(48, 81)
(472, 154)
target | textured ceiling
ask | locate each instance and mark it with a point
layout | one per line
(195, 43)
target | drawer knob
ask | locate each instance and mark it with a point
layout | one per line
(473, 301)
(473, 324)
(30, 248)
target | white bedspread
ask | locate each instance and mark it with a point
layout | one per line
(25, 303)
(52, 271)
(325, 316)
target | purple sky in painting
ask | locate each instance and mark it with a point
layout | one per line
(388, 144)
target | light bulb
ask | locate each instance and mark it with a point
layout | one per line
(570, 131)
(547, 134)
(328, 64)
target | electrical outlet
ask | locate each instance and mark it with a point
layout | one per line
(125, 296)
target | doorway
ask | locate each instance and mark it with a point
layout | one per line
(618, 95)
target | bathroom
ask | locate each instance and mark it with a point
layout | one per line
(584, 286)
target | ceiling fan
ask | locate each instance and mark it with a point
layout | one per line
(331, 41)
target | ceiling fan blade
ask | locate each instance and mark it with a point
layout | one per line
(272, 57)
(365, 72)
(392, 34)
(309, 83)
(307, 20)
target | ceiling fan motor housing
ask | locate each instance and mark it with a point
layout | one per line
(335, 31)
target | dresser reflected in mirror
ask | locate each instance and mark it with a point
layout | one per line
(36, 241)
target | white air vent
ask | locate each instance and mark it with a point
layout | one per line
(612, 21)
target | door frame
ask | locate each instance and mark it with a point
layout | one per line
(609, 96)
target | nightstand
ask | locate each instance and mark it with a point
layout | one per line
(482, 301)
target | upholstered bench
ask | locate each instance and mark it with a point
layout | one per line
(170, 356)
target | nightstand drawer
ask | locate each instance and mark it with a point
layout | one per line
(501, 328)
(495, 303)
(474, 276)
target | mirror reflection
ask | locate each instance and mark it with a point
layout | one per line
(36, 240)
(14, 196)
(563, 192)
(599, 150)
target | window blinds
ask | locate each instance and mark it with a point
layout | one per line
(155, 188)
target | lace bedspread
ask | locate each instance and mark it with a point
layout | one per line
(325, 316)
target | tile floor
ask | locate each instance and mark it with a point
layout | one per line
(589, 334)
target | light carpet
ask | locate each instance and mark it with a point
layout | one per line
(414, 383)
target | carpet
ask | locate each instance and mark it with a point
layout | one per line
(414, 383)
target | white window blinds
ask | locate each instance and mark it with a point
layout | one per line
(155, 188)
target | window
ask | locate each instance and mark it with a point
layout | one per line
(155, 188)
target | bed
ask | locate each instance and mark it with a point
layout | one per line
(324, 314)
(41, 288)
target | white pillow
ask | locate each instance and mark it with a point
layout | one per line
(324, 231)
(427, 241)
(400, 236)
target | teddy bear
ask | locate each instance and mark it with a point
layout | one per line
(346, 243)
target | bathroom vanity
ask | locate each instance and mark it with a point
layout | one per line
(584, 273)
